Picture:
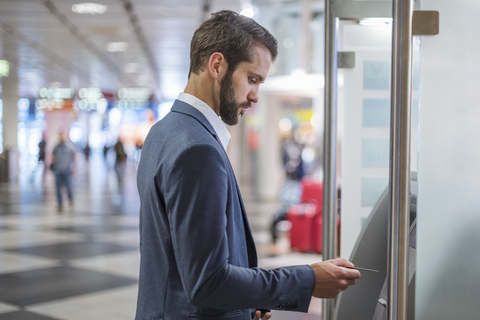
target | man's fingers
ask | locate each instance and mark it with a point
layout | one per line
(260, 316)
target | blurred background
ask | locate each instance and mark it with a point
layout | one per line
(107, 71)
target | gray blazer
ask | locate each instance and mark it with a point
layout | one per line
(198, 257)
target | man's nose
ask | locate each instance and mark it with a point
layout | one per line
(253, 96)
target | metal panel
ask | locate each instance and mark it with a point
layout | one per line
(346, 60)
(426, 23)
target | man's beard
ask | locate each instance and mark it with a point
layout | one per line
(229, 105)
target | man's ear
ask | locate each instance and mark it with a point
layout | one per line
(217, 65)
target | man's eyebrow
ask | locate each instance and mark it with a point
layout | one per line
(258, 76)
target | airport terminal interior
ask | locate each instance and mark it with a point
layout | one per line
(104, 72)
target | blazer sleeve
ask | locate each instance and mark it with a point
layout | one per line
(196, 201)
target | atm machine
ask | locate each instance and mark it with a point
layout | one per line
(367, 299)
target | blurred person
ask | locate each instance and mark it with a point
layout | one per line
(41, 164)
(105, 151)
(292, 159)
(198, 257)
(63, 165)
(290, 194)
(138, 149)
(41, 150)
(87, 151)
(120, 158)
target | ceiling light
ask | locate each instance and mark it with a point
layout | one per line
(131, 67)
(89, 8)
(248, 12)
(117, 46)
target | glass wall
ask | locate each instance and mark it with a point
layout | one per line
(365, 125)
(446, 154)
(448, 285)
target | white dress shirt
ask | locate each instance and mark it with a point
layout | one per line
(217, 123)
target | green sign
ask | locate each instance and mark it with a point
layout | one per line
(4, 68)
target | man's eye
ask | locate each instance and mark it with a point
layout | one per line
(252, 80)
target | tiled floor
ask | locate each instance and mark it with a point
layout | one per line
(82, 263)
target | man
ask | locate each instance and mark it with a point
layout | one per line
(120, 159)
(198, 258)
(63, 164)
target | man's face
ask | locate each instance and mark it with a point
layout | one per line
(240, 89)
(63, 137)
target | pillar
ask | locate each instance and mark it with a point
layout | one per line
(9, 96)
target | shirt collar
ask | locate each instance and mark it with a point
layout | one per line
(217, 124)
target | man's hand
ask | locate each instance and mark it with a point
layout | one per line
(332, 277)
(262, 315)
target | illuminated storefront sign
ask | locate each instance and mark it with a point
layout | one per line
(92, 99)
(50, 105)
(92, 94)
(56, 93)
(55, 98)
(134, 98)
(135, 93)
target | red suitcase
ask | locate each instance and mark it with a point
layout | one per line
(301, 217)
(312, 191)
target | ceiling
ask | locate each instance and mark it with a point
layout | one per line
(49, 45)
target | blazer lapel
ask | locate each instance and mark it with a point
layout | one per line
(185, 108)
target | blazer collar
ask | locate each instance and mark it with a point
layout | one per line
(185, 108)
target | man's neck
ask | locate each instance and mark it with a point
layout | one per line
(202, 89)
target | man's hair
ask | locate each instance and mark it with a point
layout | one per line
(232, 34)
